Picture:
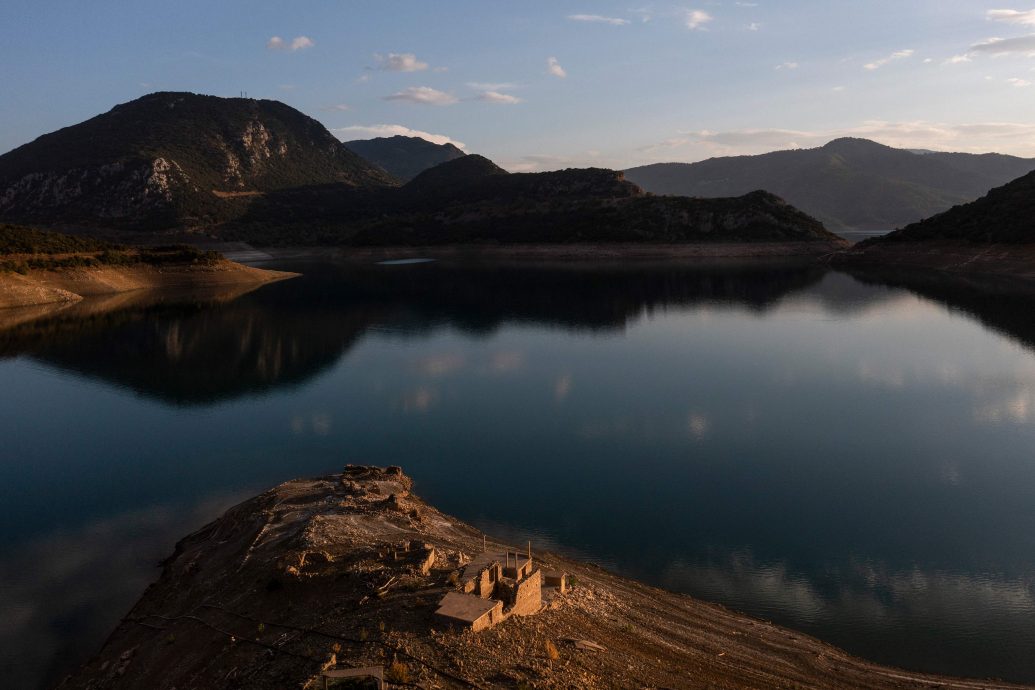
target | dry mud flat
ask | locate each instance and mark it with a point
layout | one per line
(39, 287)
(307, 577)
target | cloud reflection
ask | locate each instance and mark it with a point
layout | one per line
(440, 364)
(864, 594)
(419, 400)
(64, 591)
(561, 388)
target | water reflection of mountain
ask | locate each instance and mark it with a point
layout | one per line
(1003, 305)
(207, 348)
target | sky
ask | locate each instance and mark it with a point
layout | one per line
(546, 85)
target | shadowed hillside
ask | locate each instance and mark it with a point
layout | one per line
(472, 200)
(173, 159)
(404, 157)
(849, 184)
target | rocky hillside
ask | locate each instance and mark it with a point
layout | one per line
(404, 157)
(471, 200)
(849, 184)
(173, 159)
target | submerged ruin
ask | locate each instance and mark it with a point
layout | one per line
(495, 586)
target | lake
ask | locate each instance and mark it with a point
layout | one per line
(850, 456)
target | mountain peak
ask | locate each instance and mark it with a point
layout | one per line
(453, 175)
(402, 156)
(171, 159)
(854, 145)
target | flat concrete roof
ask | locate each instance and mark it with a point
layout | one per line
(465, 607)
(481, 560)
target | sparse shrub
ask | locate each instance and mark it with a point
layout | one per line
(397, 672)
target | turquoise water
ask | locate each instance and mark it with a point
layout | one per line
(851, 457)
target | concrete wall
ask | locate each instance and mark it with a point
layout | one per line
(528, 595)
(485, 585)
(489, 619)
(556, 578)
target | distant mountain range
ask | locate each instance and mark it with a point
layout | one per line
(173, 159)
(403, 157)
(851, 185)
(264, 172)
(472, 200)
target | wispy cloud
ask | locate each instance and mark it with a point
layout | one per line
(553, 67)
(385, 130)
(1026, 17)
(497, 97)
(424, 95)
(598, 19)
(296, 43)
(695, 19)
(787, 65)
(1017, 81)
(399, 62)
(336, 107)
(1021, 45)
(897, 55)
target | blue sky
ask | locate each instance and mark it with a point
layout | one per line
(541, 85)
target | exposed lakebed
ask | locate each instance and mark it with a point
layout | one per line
(849, 458)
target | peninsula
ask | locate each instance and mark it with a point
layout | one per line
(353, 573)
(39, 267)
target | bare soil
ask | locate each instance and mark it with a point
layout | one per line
(302, 578)
(41, 286)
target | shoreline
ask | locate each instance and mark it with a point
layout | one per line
(578, 252)
(953, 257)
(39, 287)
(302, 578)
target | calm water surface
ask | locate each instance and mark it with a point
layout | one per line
(852, 458)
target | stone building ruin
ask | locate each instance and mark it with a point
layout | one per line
(495, 586)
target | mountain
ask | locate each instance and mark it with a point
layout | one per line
(1006, 215)
(849, 184)
(994, 235)
(404, 157)
(263, 172)
(472, 200)
(452, 177)
(173, 159)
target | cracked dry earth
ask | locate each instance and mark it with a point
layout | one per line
(307, 576)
